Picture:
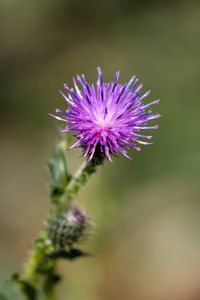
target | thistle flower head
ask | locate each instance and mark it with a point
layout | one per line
(69, 227)
(107, 117)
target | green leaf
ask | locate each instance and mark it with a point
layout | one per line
(50, 281)
(58, 170)
(25, 287)
(70, 255)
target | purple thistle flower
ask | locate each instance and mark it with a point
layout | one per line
(107, 117)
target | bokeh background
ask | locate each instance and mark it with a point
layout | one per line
(147, 236)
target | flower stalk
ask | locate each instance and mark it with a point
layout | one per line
(106, 119)
(40, 275)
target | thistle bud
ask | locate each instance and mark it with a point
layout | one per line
(69, 227)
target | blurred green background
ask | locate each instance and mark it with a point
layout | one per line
(147, 237)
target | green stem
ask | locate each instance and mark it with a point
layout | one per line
(77, 176)
(79, 179)
(33, 274)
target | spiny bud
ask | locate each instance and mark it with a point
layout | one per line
(69, 227)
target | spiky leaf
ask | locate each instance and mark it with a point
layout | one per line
(70, 255)
(27, 288)
(59, 174)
